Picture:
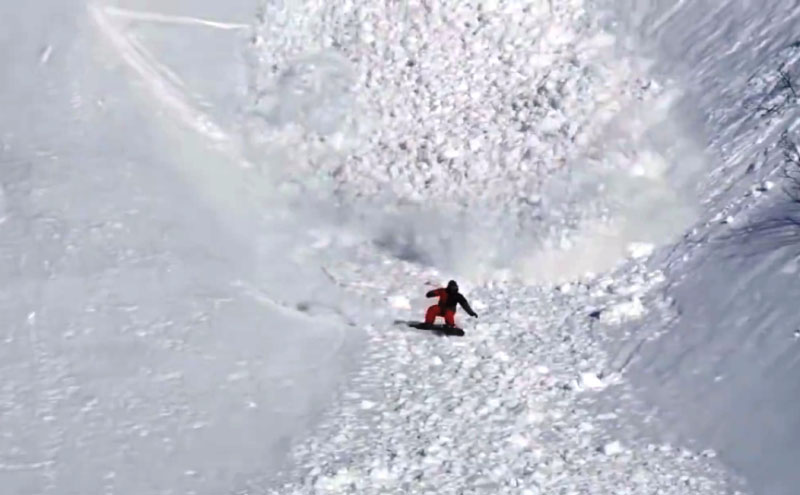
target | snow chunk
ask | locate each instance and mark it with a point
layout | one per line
(612, 448)
(624, 311)
(519, 441)
(709, 453)
(338, 481)
(381, 474)
(475, 144)
(591, 381)
(399, 302)
(534, 417)
(639, 250)
(493, 403)
(502, 357)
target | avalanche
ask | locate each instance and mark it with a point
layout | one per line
(212, 212)
(482, 139)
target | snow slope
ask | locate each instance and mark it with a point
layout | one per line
(160, 333)
(427, 110)
(211, 212)
(725, 372)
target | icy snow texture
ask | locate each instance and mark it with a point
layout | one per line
(518, 116)
(725, 371)
(505, 409)
(499, 118)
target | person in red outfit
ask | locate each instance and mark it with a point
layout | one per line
(446, 307)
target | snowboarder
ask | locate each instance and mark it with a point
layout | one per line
(446, 307)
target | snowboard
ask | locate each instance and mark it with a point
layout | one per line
(438, 329)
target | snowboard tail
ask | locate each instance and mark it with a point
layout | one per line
(435, 328)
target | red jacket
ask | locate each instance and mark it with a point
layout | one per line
(449, 300)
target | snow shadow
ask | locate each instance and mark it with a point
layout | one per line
(774, 229)
(725, 373)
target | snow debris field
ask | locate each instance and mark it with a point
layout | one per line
(214, 215)
(515, 118)
(519, 117)
(508, 409)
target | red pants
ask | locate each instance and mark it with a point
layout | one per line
(435, 310)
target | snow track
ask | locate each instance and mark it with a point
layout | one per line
(166, 87)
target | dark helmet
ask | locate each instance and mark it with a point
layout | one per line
(452, 286)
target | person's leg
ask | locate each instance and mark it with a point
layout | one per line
(431, 314)
(450, 318)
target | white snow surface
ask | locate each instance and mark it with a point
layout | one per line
(212, 212)
(476, 136)
(725, 371)
(511, 407)
(160, 332)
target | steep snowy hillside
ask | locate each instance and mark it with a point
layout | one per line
(726, 371)
(513, 143)
(211, 214)
(160, 333)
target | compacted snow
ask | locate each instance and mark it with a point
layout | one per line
(211, 214)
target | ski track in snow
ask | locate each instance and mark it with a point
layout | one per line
(172, 19)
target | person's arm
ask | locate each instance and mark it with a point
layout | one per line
(433, 293)
(464, 304)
